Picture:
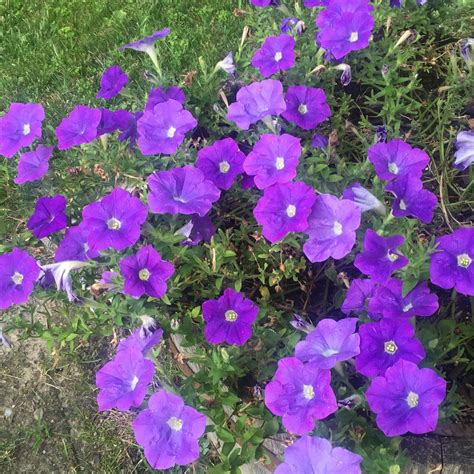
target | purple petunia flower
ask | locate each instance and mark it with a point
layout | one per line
(406, 399)
(79, 127)
(411, 199)
(379, 259)
(274, 159)
(332, 226)
(452, 264)
(301, 394)
(113, 120)
(226, 64)
(33, 165)
(306, 106)
(221, 162)
(160, 95)
(345, 26)
(247, 182)
(256, 102)
(313, 455)
(48, 217)
(113, 80)
(332, 341)
(276, 54)
(182, 190)
(145, 273)
(169, 431)
(144, 44)
(319, 141)
(290, 24)
(384, 343)
(363, 198)
(114, 221)
(18, 273)
(229, 318)
(284, 208)
(315, 3)
(358, 297)
(198, 229)
(264, 3)
(124, 380)
(464, 150)
(162, 129)
(142, 339)
(74, 245)
(390, 302)
(19, 127)
(130, 131)
(397, 158)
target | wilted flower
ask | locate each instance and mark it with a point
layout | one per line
(406, 399)
(182, 190)
(284, 208)
(229, 318)
(301, 394)
(169, 431)
(33, 165)
(61, 273)
(18, 273)
(145, 273)
(74, 245)
(159, 95)
(274, 159)
(113, 80)
(331, 230)
(4, 341)
(358, 297)
(19, 127)
(48, 217)
(319, 141)
(301, 324)
(292, 23)
(346, 76)
(143, 338)
(311, 454)
(452, 264)
(198, 229)
(381, 133)
(332, 341)
(465, 48)
(363, 198)
(227, 64)
(464, 150)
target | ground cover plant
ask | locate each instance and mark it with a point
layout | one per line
(279, 244)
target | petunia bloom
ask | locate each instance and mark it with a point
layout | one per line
(19, 127)
(276, 54)
(169, 431)
(227, 64)
(145, 273)
(261, 3)
(162, 129)
(113, 120)
(306, 106)
(396, 158)
(60, 273)
(182, 190)
(48, 217)
(114, 221)
(33, 165)
(313, 455)
(257, 101)
(358, 297)
(74, 245)
(411, 199)
(143, 338)
(363, 198)
(331, 230)
(229, 318)
(18, 273)
(284, 208)
(221, 162)
(452, 263)
(406, 399)
(290, 24)
(113, 80)
(198, 229)
(384, 343)
(319, 141)
(301, 394)
(79, 127)
(315, 3)
(332, 341)
(380, 259)
(159, 95)
(124, 380)
(274, 159)
(464, 155)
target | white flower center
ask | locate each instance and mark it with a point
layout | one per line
(175, 423)
(224, 166)
(303, 109)
(407, 308)
(337, 228)
(280, 163)
(230, 315)
(134, 382)
(17, 278)
(390, 347)
(354, 37)
(464, 260)
(144, 274)
(278, 56)
(26, 129)
(179, 198)
(393, 257)
(329, 352)
(412, 399)
(171, 131)
(291, 210)
(393, 168)
(403, 205)
(114, 224)
(308, 392)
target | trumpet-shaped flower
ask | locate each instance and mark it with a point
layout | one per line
(113, 80)
(33, 165)
(49, 216)
(276, 54)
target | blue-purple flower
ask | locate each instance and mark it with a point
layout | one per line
(160, 94)
(33, 165)
(79, 127)
(74, 245)
(363, 198)
(113, 80)
(358, 298)
(49, 216)
(276, 54)
(464, 155)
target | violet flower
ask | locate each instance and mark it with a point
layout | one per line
(227, 64)
(275, 55)
(301, 394)
(363, 198)
(113, 80)
(464, 150)
(319, 141)
(33, 165)
(60, 272)
(198, 229)
(358, 298)
(143, 338)
(465, 49)
(130, 131)
(315, 3)
(74, 245)
(290, 24)
(48, 217)
(160, 95)
(113, 120)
